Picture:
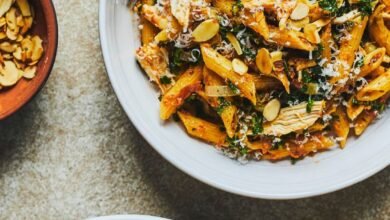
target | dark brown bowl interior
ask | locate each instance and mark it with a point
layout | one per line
(45, 25)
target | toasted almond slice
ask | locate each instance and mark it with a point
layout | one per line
(27, 48)
(300, 12)
(18, 53)
(9, 74)
(7, 47)
(24, 7)
(206, 30)
(5, 5)
(239, 66)
(271, 110)
(233, 40)
(30, 72)
(311, 33)
(38, 48)
(10, 17)
(11, 35)
(263, 61)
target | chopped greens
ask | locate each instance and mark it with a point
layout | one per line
(257, 124)
(234, 88)
(165, 80)
(329, 5)
(236, 8)
(310, 103)
(222, 104)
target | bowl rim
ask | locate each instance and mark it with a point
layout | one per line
(181, 166)
(48, 12)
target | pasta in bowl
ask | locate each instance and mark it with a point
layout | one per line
(267, 79)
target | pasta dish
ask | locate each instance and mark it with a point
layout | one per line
(268, 79)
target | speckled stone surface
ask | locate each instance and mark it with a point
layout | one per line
(72, 153)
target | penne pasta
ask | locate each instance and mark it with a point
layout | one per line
(266, 79)
(188, 83)
(202, 129)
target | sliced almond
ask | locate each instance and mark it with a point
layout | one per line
(11, 34)
(239, 66)
(7, 47)
(18, 53)
(311, 33)
(9, 74)
(233, 40)
(264, 61)
(38, 48)
(30, 72)
(300, 12)
(27, 49)
(271, 110)
(5, 5)
(206, 30)
(10, 18)
(24, 7)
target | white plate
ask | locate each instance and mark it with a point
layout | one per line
(127, 217)
(323, 173)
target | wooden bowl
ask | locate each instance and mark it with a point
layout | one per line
(45, 25)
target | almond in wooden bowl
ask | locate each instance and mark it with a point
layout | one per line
(32, 50)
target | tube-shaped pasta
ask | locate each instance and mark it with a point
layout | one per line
(363, 121)
(202, 129)
(189, 82)
(372, 61)
(375, 89)
(257, 22)
(354, 111)
(316, 142)
(349, 47)
(341, 126)
(228, 114)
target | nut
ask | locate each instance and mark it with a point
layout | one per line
(264, 61)
(233, 40)
(271, 110)
(9, 74)
(239, 66)
(300, 12)
(206, 30)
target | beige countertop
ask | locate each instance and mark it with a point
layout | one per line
(72, 153)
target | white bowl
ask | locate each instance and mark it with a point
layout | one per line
(323, 173)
